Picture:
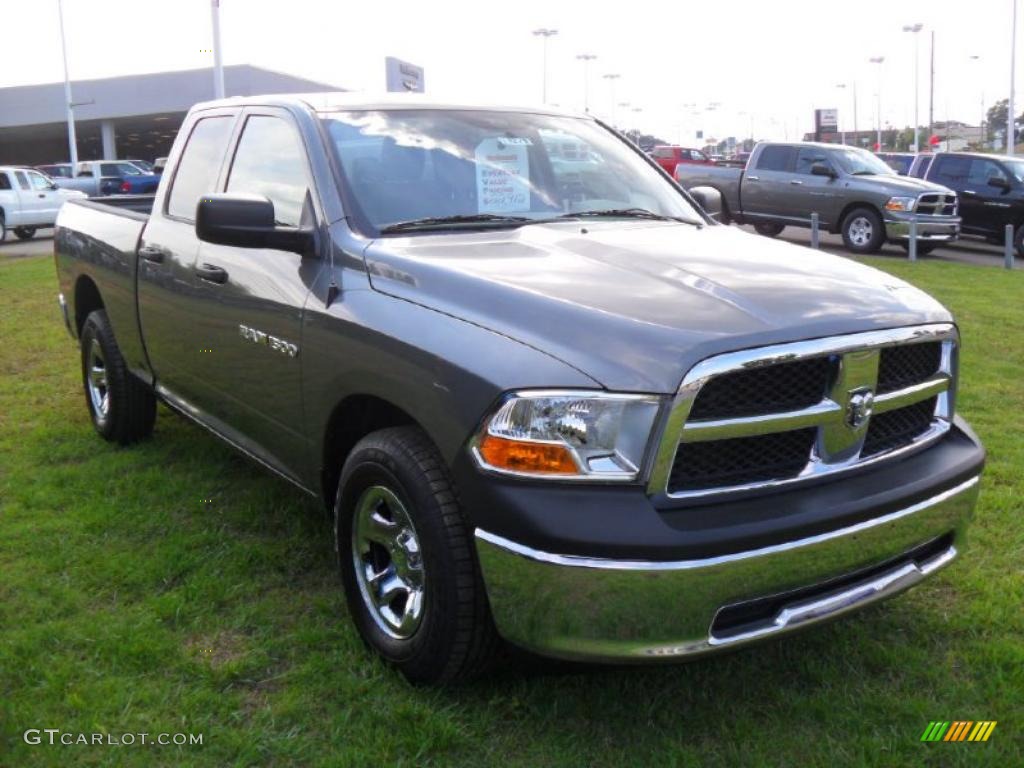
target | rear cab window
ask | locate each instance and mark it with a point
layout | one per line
(777, 157)
(951, 171)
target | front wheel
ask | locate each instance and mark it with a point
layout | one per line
(768, 229)
(863, 231)
(122, 408)
(407, 562)
(25, 233)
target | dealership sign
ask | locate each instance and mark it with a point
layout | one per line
(403, 77)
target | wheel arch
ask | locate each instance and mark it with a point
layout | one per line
(86, 299)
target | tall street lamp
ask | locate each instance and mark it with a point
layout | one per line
(982, 137)
(68, 105)
(218, 66)
(878, 106)
(611, 77)
(853, 89)
(914, 29)
(586, 58)
(545, 33)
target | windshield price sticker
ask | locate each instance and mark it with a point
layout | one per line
(503, 175)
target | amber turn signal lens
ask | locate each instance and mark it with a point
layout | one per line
(535, 458)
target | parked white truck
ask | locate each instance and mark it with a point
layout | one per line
(29, 200)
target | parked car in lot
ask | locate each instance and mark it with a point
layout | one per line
(668, 157)
(898, 161)
(29, 200)
(119, 177)
(990, 188)
(853, 192)
(571, 412)
(63, 176)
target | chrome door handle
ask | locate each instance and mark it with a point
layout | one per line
(795, 181)
(154, 254)
(970, 192)
(753, 178)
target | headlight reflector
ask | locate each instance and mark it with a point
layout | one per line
(568, 434)
(902, 204)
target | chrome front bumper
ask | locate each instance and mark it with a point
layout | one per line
(619, 610)
(930, 228)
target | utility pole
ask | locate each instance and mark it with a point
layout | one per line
(982, 137)
(218, 67)
(68, 104)
(878, 106)
(545, 33)
(915, 29)
(586, 58)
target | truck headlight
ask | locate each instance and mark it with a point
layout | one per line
(567, 434)
(902, 204)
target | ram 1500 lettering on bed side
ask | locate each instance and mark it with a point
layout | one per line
(854, 193)
(554, 403)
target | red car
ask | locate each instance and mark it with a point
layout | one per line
(669, 157)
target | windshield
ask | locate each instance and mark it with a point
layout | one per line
(861, 162)
(497, 168)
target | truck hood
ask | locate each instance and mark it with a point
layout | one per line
(635, 304)
(904, 185)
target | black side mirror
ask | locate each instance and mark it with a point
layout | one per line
(822, 169)
(999, 182)
(247, 221)
(708, 198)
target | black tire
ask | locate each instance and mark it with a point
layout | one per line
(25, 233)
(1018, 241)
(769, 229)
(923, 249)
(3, 227)
(863, 231)
(126, 409)
(454, 638)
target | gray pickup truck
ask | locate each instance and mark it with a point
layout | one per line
(854, 193)
(550, 402)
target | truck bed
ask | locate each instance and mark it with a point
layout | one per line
(723, 178)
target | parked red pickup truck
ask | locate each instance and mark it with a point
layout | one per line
(669, 157)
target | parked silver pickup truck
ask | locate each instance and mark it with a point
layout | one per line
(854, 193)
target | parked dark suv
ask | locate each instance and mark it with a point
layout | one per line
(990, 189)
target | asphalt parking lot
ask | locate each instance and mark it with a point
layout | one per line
(966, 251)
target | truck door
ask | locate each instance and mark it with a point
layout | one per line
(48, 199)
(808, 193)
(952, 171)
(28, 212)
(764, 188)
(992, 202)
(168, 291)
(253, 300)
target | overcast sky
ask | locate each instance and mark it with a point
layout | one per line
(776, 61)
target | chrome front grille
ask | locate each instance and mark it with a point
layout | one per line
(790, 412)
(936, 204)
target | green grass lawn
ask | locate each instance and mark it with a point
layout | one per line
(175, 587)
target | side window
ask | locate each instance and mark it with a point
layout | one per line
(699, 156)
(663, 152)
(39, 182)
(22, 179)
(200, 161)
(270, 161)
(807, 157)
(982, 171)
(110, 169)
(776, 158)
(5, 181)
(951, 171)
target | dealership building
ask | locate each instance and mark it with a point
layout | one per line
(136, 116)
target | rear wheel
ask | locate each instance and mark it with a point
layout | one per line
(407, 562)
(122, 408)
(3, 227)
(769, 230)
(25, 233)
(863, 231)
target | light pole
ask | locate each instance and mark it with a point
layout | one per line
(853, 88)
(68, 105)
(1010, 133)
(218, 66)
(586, 58)
(914, 29)
(611, 77)
(545, 33)
(878, 106)
(982, 137)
